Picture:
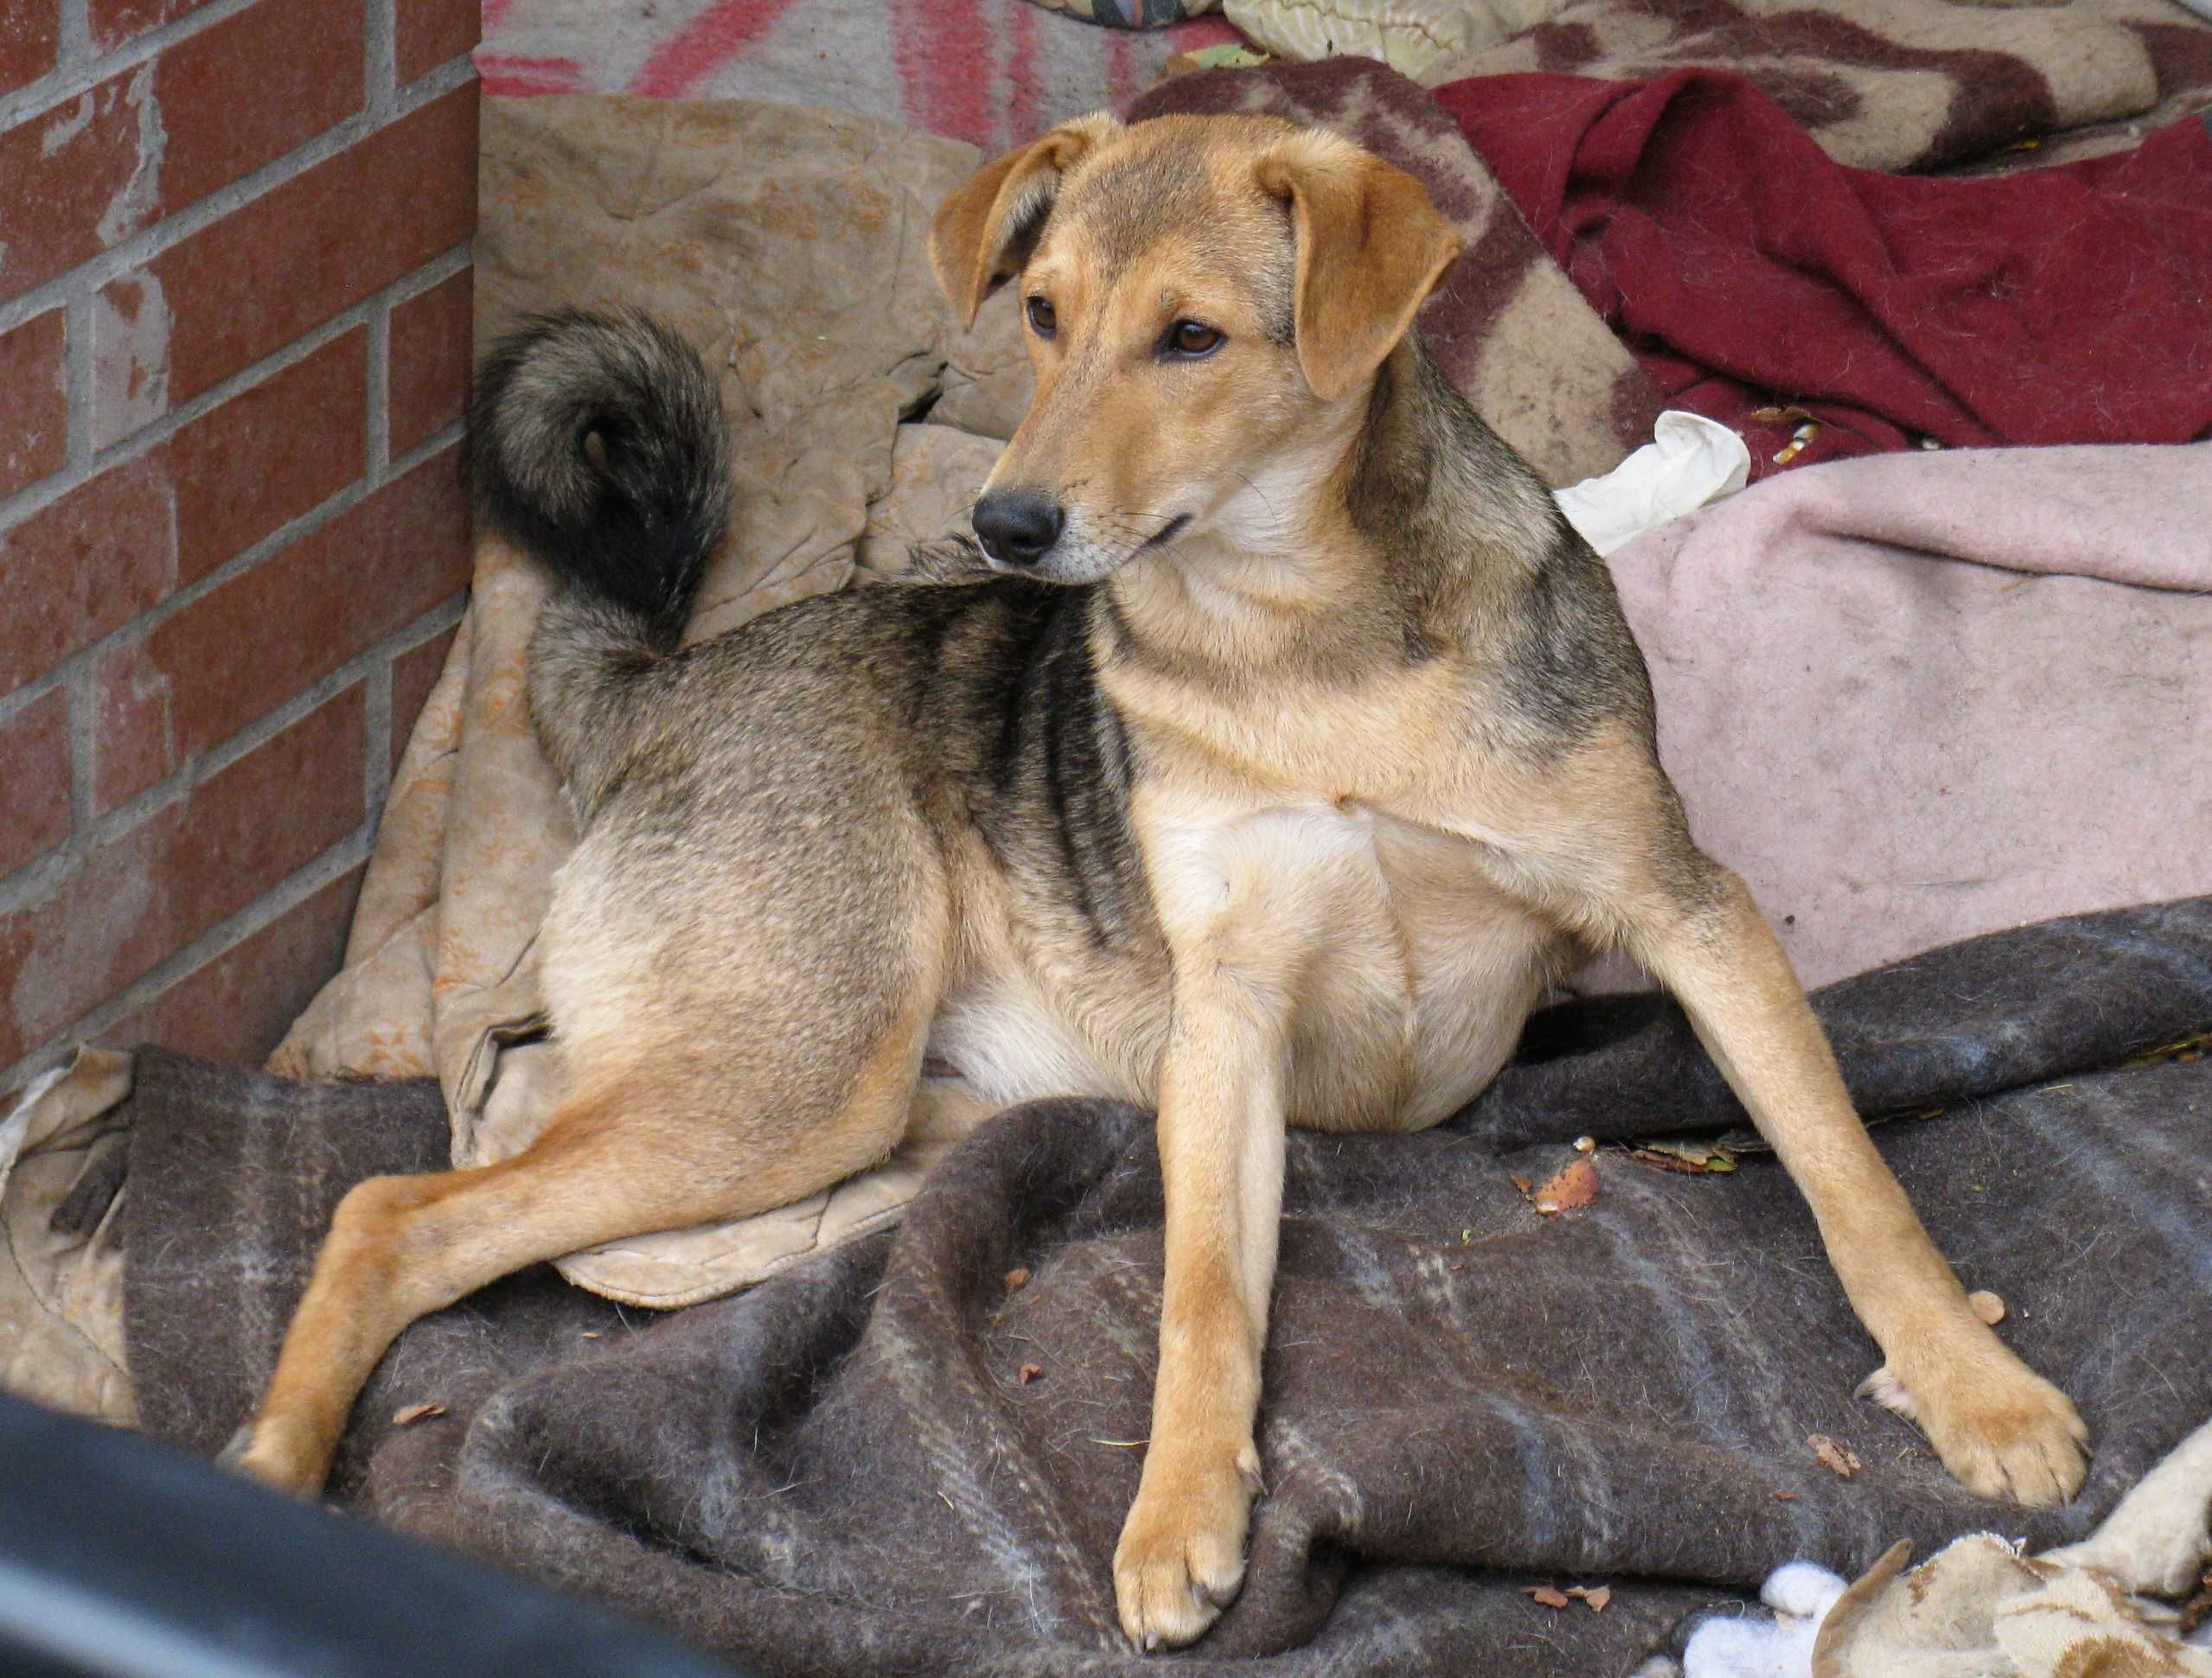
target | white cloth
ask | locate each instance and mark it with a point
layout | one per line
(1691, 460)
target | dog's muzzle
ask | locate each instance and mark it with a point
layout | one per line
(1018, 527)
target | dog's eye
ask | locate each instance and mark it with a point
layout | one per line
(1042, 320)
(1192, 339)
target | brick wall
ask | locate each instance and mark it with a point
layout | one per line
(233, 347)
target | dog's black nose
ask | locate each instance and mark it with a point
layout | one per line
(1017, 526)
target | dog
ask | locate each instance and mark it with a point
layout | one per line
(1296, 745)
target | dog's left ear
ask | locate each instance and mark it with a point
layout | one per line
(987, 227)
(1371, 249)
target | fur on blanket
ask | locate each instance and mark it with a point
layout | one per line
(912, 1454)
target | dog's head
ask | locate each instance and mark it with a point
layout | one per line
(1206, 301)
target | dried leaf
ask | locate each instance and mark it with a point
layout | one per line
(1780, 416)
(1786, 1497)
(1987, 1307)
(1544, 1594)
(1017, 1278)
(414, 1412)
(1576, 1186)
(1836, 1459)
(1695, 1156)
(1598, 1598)
(1030, 1372)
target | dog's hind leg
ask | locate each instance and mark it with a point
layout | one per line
(635, 1152)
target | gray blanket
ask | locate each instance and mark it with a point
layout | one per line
(894, 1458)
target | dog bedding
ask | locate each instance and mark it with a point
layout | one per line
(993, 72)
(1752, 273)
(787, 245)
(913, 1453)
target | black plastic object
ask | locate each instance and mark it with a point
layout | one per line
(119, 1559)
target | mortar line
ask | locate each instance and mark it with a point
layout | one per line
(74, 43)
(77, 378)
(378, 460)
(81, 704)
(381, 65)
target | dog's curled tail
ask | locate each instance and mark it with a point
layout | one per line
(597, 442)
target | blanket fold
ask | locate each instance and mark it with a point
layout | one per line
(1749, 271)
(904, 1456)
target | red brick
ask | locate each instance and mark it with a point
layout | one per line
(228, 100)
(429, 32)
(83, 566)
(33, 779)
(271, 270)
(239, 1006)
(432, 337)
(30, 33)
(414, 672)
(34, 402)
(115, 22)
(269, 454)
(251, 88)
(71, 183)
(237, 653)
(189, 866)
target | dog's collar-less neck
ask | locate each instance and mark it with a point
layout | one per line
(1276, 574)
(1366, 547)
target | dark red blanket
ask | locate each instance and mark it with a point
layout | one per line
(1751, 274)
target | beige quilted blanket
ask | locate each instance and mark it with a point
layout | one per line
(789, 246)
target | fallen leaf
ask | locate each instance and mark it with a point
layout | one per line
(1836, 1459)
(1029, 1373)
(1695, 1156)
(1987, 1307)
(414, 1412)
(1786, 1497)
(1598, 1598)
(1576, 1186)
(1016, 1279)
(1544, 1594)
(1780, 416)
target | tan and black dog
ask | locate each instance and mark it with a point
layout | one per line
(1300, 743)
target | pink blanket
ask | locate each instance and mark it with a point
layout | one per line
(1912, 698)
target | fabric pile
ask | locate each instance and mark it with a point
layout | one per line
(993, 72)
(1918, 696)
(913, 1454)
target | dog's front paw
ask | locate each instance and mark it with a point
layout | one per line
(2001, 1429)
(267, 1452)
(1181, 1558)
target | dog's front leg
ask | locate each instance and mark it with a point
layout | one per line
(2001, 1429)
(1222, 1093)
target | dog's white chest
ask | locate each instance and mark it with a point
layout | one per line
(1401, 975)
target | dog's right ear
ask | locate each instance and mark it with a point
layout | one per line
(987, 227)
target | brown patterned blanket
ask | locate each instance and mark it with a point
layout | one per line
(912, 1454)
